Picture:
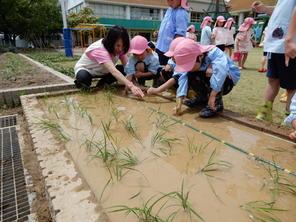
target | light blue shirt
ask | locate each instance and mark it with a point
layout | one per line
(222, 66)
(205, 38)
(182, 80)
(174, 23)
(280, 20)
(150, 60)
(292, 115)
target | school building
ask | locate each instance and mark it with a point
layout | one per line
(137, 16)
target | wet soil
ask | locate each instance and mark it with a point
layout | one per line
(171, 157)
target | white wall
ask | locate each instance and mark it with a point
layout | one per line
(73, 3)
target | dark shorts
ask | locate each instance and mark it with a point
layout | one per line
(222, 47)
(277, 69)
(230, 46)
(163, 60)
(264, 53)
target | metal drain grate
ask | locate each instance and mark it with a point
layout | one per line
(6, 121)
(14, 205)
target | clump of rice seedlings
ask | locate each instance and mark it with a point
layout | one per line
(131, 128)
(115, 113)
(195, 149)
(147, 212)
(160, 137)
(50, 126)
(262, 211)
(279, 184)
(183, 197)
(213, 166)
(109, 96)
(81, 111)
(164, 123)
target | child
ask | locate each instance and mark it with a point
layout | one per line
(142, 65)
(280, 45)
(174, 24)
(206, 32)
(219, 35)
(263, 60)
(243, 40)
(191, 57)
(178, 77)
(229, 32)
(191, 33)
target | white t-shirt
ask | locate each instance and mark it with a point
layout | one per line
(278, 26)
(219, 36)
(229, 36)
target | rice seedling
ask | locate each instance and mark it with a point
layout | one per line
(183, 198)
(279, 183)
(262, 211)
(159, 137)
(50, 126)
(164, 123)
(145, 213)
(115, 113)
(213, 166)
(195, 149)
(131, 128)
(109, 96)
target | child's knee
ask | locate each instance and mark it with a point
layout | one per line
(140, 67)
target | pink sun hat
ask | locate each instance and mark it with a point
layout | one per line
(185, 55)
(220, 18)
(191, 27)
(173, 45)
(138, 45)
(247, 24)
(184, 4)
(205, 21)
(228, 23)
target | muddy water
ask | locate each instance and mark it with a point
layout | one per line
(163, 167)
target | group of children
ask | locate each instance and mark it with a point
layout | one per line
(177, 61)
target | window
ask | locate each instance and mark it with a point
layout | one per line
(195, 17)
(144, 13)
(108, 11)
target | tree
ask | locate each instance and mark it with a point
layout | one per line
(32, 19)
(85, 15)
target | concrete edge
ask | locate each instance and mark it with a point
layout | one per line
(69, 198)
(10, 97)
(52, 71)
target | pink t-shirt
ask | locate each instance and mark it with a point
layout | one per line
(101, 55)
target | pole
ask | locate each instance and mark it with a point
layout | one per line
(66, 32)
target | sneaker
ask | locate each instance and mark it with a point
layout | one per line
(265, 112)
(207, 112)
(194, 102)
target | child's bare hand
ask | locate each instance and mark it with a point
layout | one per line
(211, 103)
(138, 74)
(176, 111)
(290, 51)
(258, 7)
(293, 135)
(151, 91)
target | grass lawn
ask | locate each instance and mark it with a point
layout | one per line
(246, 96)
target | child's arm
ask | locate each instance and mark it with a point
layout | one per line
(259, 7)
(290, 45)
(168, 84)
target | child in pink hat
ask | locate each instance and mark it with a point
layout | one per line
(229, 33)
(193, 58)
(206, 31)
(174, 24)
(243, 41)
(142, 65)
(191, 33)
(218, 34)
(173, 78)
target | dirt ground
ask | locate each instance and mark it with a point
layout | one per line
(40, 204)
(16, 72)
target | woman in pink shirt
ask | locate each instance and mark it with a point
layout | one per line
(100, 58)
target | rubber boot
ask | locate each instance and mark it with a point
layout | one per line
(265, 112)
